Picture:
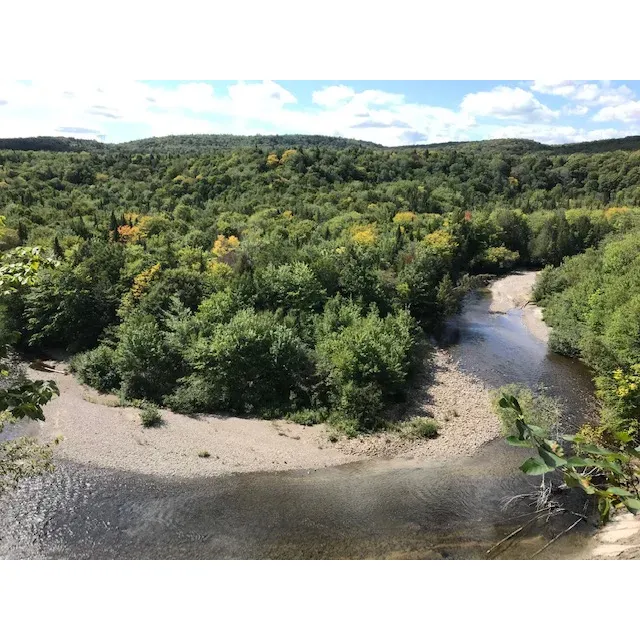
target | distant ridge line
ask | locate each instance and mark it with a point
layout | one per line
(210, 143)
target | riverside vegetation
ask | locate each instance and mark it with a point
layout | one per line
(299, 276)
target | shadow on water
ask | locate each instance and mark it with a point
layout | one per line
(376, 509)
(363, 510)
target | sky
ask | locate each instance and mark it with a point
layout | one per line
(386, 112)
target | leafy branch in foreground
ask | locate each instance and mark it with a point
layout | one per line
(20, 268)
(610, 475)
(22, 457)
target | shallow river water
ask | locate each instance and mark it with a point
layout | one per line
(376, 509)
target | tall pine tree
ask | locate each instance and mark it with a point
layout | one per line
(57, 249)
(23, 232)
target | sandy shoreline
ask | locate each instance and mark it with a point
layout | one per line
(619, 539)
(514, 292)
(97, 432)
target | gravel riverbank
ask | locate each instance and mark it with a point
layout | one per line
(96, 431)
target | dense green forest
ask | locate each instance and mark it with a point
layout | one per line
(298, 276)
(593, 304)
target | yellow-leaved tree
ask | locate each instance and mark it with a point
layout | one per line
(273, 160)
(364, 235)
(404, 218)
(139, 287)
(223, 245)
(442, 241)
(288, 155)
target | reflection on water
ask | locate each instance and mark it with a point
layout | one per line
(499, 350)
(378, 509)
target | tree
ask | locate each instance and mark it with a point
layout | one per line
(113, 228)
(23, 233)
(145, 359)
(57, 249)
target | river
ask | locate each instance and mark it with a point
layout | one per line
(372, 509)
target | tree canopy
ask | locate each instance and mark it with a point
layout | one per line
(290, 275)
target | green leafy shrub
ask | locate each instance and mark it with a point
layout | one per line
(150, 416)
(71, 305)
(97, 368)
(592, 302)
(251, 364)
(497, 259)
(147, 363)
(308, 417)
(418, 428)
(364, 361)
(219, 308)
(607, 474)
(291, 286)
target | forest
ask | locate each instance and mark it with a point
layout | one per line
(301, 277)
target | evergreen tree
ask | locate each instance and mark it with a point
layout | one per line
(57, 249)
(113, 228)
(23, 233)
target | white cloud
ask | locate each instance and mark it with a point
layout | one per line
(592, 93)
(507, 103)
(373, 97)
(122, 110)
(385, 118)
(601, 95)
(198, 97)
(49, 105)
(577, 110)
(253, 97)
(332, 96)
(24, 127)
(627, 112)
(563, 88)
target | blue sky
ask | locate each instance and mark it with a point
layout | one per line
(387, 112)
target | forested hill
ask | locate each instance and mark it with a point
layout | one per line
(520, 146)
(207, 143)
(184, 145)
(51, 143)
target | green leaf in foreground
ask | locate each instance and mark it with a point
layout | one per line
(575, 461)
(551, 459)
(632, 504)
(535, 467)
(591, 448)
(514, 441)
(619, 491)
